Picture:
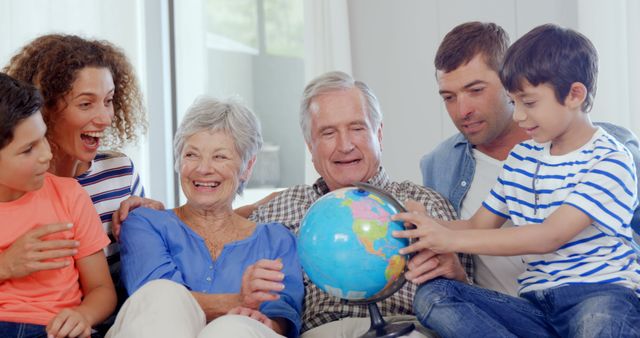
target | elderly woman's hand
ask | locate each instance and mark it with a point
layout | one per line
(261, 282)
(251, 313)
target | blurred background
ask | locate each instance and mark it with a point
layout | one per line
(264, 51)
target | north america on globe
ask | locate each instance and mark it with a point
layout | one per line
(346, 247)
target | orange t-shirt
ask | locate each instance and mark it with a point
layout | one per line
(38, 297)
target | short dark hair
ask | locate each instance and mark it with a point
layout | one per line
(469, 39)
(18, 101)
(554, 55)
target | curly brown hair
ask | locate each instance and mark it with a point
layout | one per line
(52, 63)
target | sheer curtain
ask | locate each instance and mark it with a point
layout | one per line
(140, 28)
(327, 47)
(118, 21)
(327, 42)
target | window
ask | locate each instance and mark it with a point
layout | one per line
(252, 50)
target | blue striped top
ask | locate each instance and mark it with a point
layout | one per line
(111, 179)
(599, 179)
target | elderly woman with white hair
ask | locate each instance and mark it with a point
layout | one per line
(201, 270)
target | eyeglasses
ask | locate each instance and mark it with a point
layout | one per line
(536, 198)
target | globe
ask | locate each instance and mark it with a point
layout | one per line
(346, 248)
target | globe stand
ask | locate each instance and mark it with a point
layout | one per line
(380, 329)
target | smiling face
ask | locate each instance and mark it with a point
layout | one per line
(87, 110)
(544, 119)
(210, 170)
(25, 160)
(345, 147)
(476, 101)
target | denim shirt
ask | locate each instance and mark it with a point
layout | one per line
(449, 169)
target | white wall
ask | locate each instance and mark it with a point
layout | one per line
(393, 44)
(392, 48)
(114, 20)
(616, 41)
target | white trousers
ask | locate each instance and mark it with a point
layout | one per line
(163, 308)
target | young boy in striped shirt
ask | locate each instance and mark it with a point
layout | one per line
(570, 193)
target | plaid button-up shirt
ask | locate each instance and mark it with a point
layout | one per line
(290, 206)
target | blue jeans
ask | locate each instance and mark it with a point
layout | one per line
(22, 330)
(455, 309)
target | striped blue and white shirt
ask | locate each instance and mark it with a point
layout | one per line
(111, 179)
(599, 179)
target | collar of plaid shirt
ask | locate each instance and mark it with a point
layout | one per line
(290, 206)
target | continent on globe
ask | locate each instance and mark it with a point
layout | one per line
(345, 244)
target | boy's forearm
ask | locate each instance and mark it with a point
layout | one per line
(5, 274)
(503, 242)
(99, 294)
(457, 224)
(559, 228)
(98, 304)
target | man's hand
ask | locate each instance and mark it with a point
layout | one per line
(426, 264)
(30, 253)
(246, 210)
(69, 323)
(252, 313)
(127, 206)
(261, 282)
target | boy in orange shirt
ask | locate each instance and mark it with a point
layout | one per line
(54, 279)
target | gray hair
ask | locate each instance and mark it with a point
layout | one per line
(333, 81)
(210, 114)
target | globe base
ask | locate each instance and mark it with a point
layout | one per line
(390, 331)
(380, 329)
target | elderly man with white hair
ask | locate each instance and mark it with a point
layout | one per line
(341, 121)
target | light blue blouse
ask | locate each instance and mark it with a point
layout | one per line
(158, 245)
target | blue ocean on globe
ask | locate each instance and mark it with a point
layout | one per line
(345, 244)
